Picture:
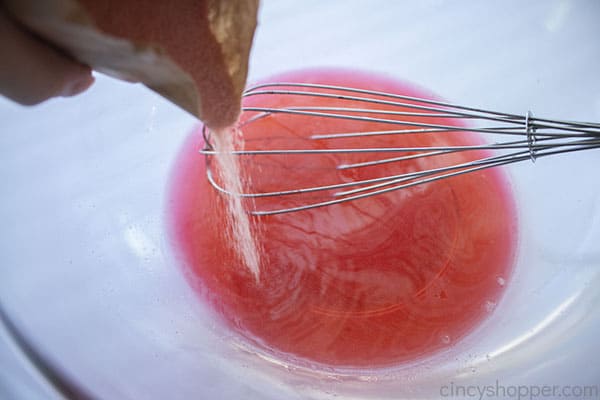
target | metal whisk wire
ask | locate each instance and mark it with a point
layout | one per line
(531, 138)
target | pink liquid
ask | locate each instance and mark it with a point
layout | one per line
(374, 282)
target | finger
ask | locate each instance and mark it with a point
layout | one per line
(32, 71)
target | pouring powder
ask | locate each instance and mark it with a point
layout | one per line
(237, 229)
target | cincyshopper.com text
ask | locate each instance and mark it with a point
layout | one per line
(519, 392)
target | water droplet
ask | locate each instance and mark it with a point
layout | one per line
(368, 378)
(445, 339)
(501, 281)
(490, 305)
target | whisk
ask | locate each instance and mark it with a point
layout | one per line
(523, 137)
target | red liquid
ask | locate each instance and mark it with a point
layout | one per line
(368, 283)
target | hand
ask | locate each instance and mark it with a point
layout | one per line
(32, 71)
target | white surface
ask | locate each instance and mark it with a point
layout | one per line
(86, 270)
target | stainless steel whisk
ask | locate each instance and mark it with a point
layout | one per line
(525, 138)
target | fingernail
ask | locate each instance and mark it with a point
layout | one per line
(77, 86)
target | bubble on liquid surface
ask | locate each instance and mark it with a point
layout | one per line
(445, 339)
(501, 281)
(489, 305)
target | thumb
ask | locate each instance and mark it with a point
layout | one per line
(32, 71)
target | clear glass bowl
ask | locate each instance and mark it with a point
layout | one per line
(88, 276)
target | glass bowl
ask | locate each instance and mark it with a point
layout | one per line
(88, 277)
